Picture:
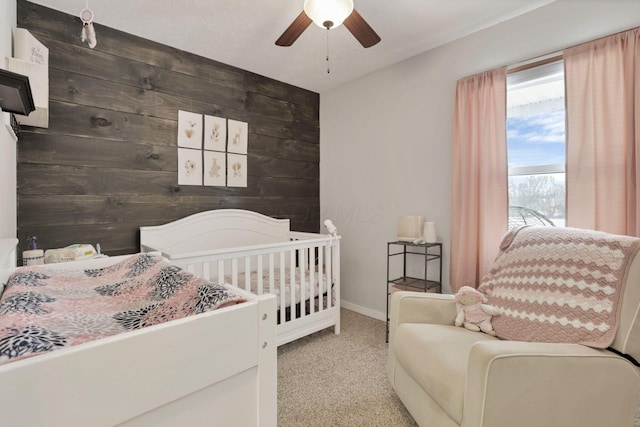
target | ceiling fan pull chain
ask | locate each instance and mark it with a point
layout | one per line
(328, 71)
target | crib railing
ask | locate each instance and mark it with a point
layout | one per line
(304, 273)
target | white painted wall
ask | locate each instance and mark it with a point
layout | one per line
(8, 223)
(386, 138)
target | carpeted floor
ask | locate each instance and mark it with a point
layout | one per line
(339, 380)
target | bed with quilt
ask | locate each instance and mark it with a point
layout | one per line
(138, 332)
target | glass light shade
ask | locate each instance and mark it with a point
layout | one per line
(321, 11)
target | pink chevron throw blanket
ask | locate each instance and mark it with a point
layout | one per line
(559, 285)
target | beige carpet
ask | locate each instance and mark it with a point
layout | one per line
(338, 380)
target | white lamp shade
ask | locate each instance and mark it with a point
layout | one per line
(410, 227)
(335, 11)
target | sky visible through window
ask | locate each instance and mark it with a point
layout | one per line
(536, 145)
(536, 139)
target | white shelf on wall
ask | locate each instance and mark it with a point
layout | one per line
(39, 81)
(31, 58)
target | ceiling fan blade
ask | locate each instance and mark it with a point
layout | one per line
(361, 30)
(294, 30)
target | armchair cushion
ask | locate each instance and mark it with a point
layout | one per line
(559, 285)
(437, 357)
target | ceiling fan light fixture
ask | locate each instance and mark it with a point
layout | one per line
(328, 13)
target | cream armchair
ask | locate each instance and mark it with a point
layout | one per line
(448, 376)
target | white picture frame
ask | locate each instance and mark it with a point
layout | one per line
(236, 170)
(215, 174)
(215, 133)
(189, 166)
(237, 137)
(189, 130)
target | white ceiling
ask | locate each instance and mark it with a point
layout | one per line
(242, 32)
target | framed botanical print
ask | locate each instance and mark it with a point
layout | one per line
(189, 167)
(236, 170)
(215, 133)
(215, 173)
(238, 137)
(189, 130)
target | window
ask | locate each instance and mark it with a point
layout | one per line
(536, 145)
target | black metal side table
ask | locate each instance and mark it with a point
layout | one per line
(431, 252)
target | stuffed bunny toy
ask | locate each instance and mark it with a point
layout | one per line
(473, 312)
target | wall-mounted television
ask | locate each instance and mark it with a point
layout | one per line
(15, 93)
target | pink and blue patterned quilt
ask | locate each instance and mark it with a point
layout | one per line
(44, 309)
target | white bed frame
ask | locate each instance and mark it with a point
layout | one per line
(216, 368)
(229, 242)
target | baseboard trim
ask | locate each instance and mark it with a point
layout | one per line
(363, 310)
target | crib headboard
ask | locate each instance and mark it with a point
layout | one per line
(216, 229)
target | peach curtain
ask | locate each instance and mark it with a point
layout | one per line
(479, 183)
(603, 128)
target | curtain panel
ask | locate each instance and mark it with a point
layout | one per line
(602, 80)
(479, 182)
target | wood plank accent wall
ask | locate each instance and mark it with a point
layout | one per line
(107, 164)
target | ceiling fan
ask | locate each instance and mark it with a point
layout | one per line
(330, 14)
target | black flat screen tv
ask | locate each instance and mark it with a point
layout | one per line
(15, 93)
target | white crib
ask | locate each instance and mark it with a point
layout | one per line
(261, 255)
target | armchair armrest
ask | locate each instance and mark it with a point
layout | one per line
(419, 307)
(532, 384)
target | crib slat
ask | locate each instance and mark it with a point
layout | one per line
(205, 271)
(302, 263)
(329, 277)
(335, 279)
(320, 271)
(272, 274)
(312, 279)
(234, 272)
(247, 275)
(259, 273)
(283, 293)
(220, 271)
(292, 282)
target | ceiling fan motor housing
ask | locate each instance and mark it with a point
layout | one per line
(328, 13)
